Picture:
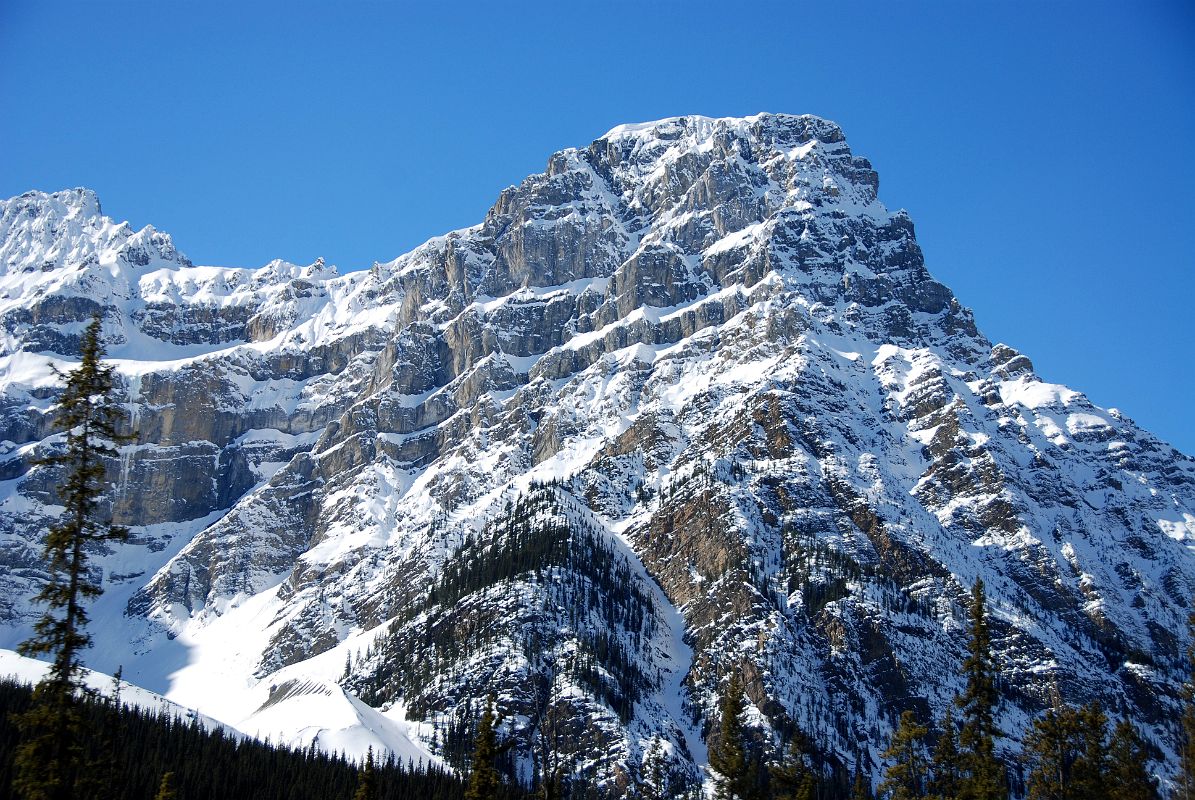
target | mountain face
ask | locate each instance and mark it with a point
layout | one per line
(688, 403)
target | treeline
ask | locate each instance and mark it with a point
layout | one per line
(127, 753)
(1068, 753)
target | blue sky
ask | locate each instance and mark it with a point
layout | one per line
(1045, 150)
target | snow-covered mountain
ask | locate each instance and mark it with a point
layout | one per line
(686, 403)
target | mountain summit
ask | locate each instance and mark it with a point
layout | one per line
(686, 404)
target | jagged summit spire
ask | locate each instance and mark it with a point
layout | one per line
(80, 198)
(41, 214)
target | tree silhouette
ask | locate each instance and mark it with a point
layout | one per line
(983, 775)
(367, 780)
(905, 777)
(945, 781)
(729, 757)
(1127, 778)
(48, 759)
(792, 779)
(484, 779)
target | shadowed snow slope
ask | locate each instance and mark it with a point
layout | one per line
(29, 670)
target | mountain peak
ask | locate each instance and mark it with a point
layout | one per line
(79, 202)
(808, 126)
(50, 231)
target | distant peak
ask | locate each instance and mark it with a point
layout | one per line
(40, 231)
(320, 269)
(66, 203)
(807, 126)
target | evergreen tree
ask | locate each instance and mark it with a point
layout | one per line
(209, 764)
(1091, 767)
(945, 781)
(657, 779)
(548, 778)
(1127, 778)
(484, 779)
(166, 790)
(905, 777)
(1184, 781)
(792, 779)
(1050, 750)
(983, 775)
(756, 786)
(102, 771)
(367, 780)
(729, 756)
(1067, 754)
(861, 790)
(49, 758)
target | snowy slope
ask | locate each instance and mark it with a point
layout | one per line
(30, 671)
(686, 403)
(294, 713)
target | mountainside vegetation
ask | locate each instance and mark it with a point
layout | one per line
(1070, 753)
(127, 752)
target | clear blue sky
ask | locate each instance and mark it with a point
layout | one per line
(1045, 150)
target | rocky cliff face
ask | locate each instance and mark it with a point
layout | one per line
(688, 402)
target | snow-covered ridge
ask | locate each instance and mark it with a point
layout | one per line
(61, 260)
(702, 126)
(53, 243)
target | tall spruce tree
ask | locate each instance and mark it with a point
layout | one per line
(655, 782)
(983, 776)
(792, 779)
(367, 779)
(1051, 749)
(946, 770)
(905, 777)
(1067, 753)
(484, 779)
(1184, 781)
(729, 756)
(1091, 767)
(49, 758)
(1127, 778)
